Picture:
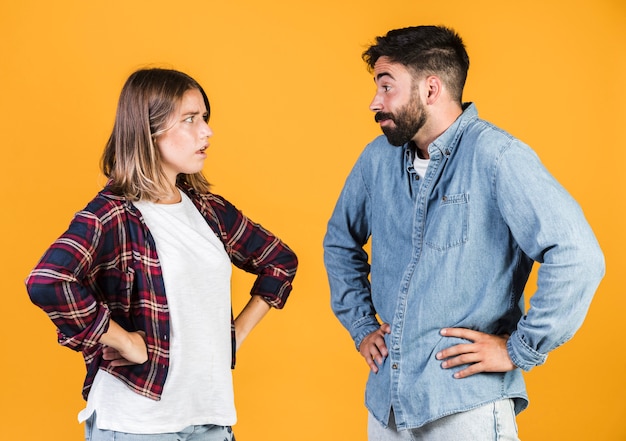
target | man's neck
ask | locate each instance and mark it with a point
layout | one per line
(438, 122)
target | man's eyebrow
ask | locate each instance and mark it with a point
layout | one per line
(383, 74)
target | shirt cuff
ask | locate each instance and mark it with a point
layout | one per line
(274, 291)
(362, 328)
(522, 355)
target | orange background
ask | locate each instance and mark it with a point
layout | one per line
(290, 102)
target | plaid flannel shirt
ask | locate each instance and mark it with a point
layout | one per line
(105, 266)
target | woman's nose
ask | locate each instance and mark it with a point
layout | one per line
(206, 131)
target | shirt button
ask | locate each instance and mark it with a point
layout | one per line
(394, 366)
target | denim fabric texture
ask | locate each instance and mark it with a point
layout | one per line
(490, 422)
(206, 432)
(455, 249)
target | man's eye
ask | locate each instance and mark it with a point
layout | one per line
(205, 117)
(386, 88)
(189, 119)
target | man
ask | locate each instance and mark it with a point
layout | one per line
(457, 211)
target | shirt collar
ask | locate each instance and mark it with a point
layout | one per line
(448, 140)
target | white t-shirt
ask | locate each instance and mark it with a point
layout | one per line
(420, 165)
(198, 389)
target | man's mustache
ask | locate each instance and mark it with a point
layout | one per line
(380, 116)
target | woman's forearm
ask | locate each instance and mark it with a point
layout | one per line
(124, 347)
(249, 317)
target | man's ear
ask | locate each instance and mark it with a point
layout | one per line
(433, 89)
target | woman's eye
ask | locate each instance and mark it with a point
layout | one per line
(189, 119)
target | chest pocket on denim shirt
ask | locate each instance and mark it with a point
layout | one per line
(447, 222)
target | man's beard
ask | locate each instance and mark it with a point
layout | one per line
(408, 121)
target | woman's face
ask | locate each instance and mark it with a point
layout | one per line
(183, 144)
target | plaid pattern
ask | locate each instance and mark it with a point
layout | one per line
(105, 266)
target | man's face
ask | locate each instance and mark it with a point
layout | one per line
(397, 103)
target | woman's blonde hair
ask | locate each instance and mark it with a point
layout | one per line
(131, 159)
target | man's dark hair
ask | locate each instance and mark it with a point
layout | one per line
(425, 50)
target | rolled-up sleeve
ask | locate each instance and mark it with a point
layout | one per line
(55, 285)
(256, 250)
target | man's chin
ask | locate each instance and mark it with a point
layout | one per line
(394, 141)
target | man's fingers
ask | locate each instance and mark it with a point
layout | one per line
(461, 359)
(372, 364)
(470, 370)
(373, 348)
(372, 355)
(488, 353)
(455, 350)
(382, 350)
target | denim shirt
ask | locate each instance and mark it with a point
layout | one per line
(455, 249)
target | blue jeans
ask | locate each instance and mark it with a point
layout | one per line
(492, 422)
(206, 432)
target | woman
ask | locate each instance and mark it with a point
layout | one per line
(140, 282)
